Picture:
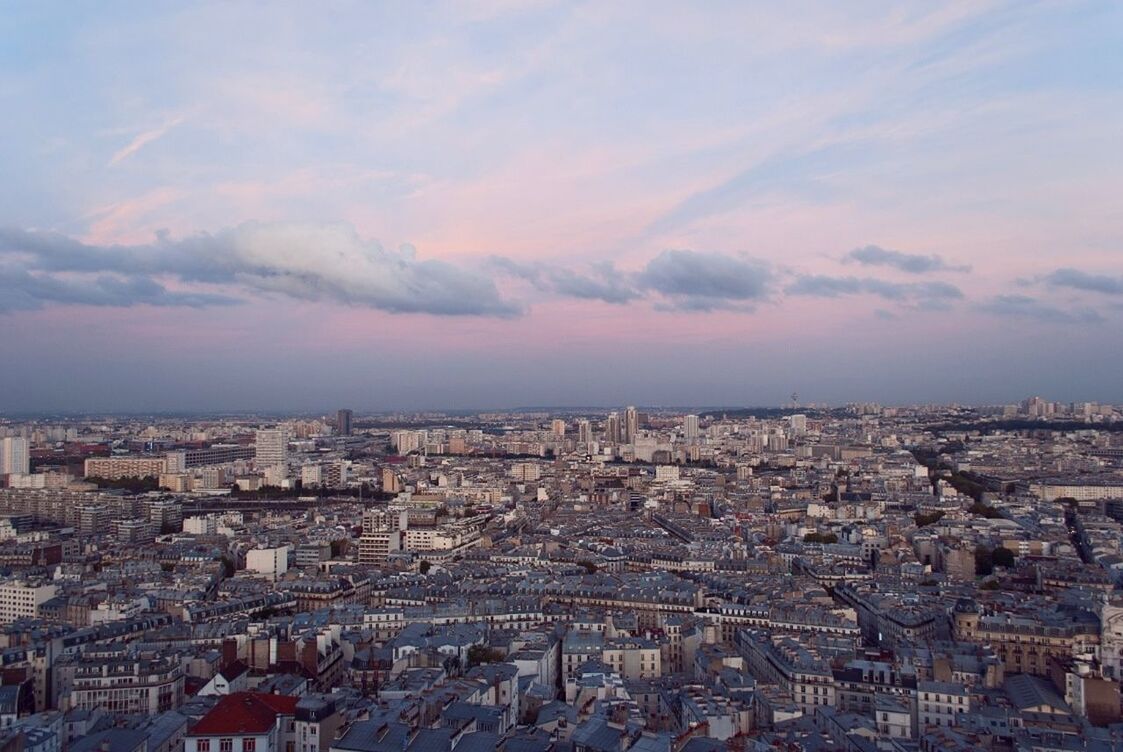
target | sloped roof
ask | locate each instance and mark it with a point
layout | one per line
(244, 713)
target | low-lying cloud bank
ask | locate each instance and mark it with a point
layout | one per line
(333, 263)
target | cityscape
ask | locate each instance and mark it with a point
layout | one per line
(860, 577)
(561, 376)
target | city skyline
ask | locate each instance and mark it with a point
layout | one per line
(215, 208)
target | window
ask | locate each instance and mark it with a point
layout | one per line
(203, 745)
(225, 745)
(249, 745)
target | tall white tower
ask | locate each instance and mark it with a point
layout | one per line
(14, 456)
(690, 427)
(631, 424)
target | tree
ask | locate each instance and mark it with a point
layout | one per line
(984, 510)
(922, 520)
(589, 566)
(1003, 557)
(481, 654)
(131, 485)
(424, 567)
(820, 538)
(984, 561)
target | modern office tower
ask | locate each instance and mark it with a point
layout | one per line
(631, 425)
(343, 422)
(272, 447)
(612, 428)
(14, 456)
(557, 427)
(690, 427)
(584, 431)
(798, 424)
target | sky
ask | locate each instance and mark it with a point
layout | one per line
(304, 206)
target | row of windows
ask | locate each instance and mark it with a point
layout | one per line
(249, 744)
(940, 698)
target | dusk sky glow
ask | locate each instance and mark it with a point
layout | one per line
(218, 206)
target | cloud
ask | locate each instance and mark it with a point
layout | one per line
(1025, 307)
(1078, 280)
(928, 295)
(696, 281)
(141, 140)
(606, 284)
(681, 280)
(913, 263)
(305, 261)
(21, 291)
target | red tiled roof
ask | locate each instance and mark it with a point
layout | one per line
(244, 713)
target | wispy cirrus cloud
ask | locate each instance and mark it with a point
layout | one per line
(141, 140)
(912, 263)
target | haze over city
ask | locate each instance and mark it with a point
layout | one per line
(482, 205)
(535, 376)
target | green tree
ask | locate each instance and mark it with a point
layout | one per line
(984, 561)
(984, 510)
(481, 654)
(1003, 557)
(922, 520)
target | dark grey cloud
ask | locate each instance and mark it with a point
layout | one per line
(925, 295)
(1025, 307)
(696, 281)
(327, 262)
(913, 263)
(605, 283)
(22, 291)
(676, 279)
(1085, 281)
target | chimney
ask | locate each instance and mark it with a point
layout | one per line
(229, 651)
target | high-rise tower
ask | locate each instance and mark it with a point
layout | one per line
(343, 422)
